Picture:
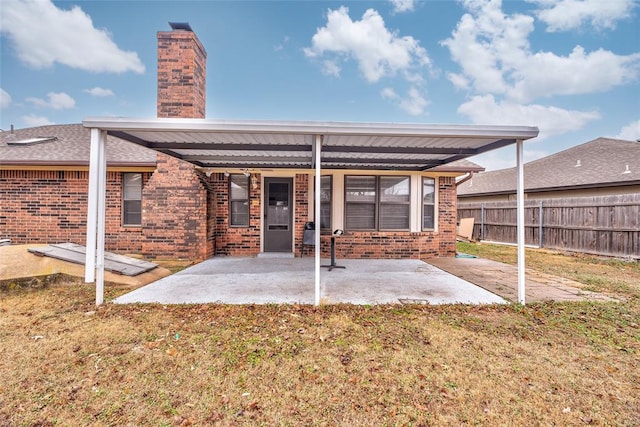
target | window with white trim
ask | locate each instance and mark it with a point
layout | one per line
(377, 202)
(132, 199)
(428, 203)
(238, 200)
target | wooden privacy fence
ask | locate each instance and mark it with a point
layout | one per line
(602, 225)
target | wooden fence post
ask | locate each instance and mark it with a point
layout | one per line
(540, 226)
(482, 222)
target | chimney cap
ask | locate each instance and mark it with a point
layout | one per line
(184, 26)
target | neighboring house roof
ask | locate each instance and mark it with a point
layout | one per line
(66, 145)
(602, 162)
(463, 165)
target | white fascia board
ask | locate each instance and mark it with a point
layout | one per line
(311, 128)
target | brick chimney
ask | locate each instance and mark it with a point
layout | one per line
(182, 72)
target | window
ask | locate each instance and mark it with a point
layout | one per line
(360, 199)
(239, 200)
(377, 202)
(394, 203)
(132, 199)
(428, 203)
(325, 202)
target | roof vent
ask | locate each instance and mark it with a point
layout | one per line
(32, 141)
(578, 164)
(184, 26)
(626, 169)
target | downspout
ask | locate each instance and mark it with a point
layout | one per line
(466, 178)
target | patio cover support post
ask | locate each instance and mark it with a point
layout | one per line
(96, 213)
(102, 195)
(92, 208)
(520, 221)
(316, 216)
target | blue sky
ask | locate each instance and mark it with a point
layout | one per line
(570, 67)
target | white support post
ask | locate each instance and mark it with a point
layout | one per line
(316, 217)
(92, 208)
(102, 195)
(520, 221)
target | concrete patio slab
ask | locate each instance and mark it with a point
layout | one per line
(229, 280)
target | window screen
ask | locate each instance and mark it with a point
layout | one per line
(132, 199)
(428, 203)
(394, 202)
(239, 200)
(325, 202)
(360, 200)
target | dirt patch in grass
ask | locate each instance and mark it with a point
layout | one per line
(64, 362)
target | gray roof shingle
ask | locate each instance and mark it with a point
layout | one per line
(71, 147)
(462, 165)
(600, 162)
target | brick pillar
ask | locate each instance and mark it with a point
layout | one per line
(182, 69)
(447, 216)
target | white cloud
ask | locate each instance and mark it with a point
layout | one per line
(550, 120)
(99, 92)
(5, 99)
(414, 103)
(458, 80)
(32, 120)
(281, 46)
(630, 132)
(389, 93)
(42, 35)
(331, 68)
(578, 73)
(57, 101)
(487, 44)
(378, 52)
(495, 55)
(400, 6)
(563, 15)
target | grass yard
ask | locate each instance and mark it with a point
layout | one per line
(64, 362)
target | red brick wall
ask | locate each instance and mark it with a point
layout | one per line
(400, 244)
(51, 207)
(236, 241)
(301, 197)
(174, 212)
(182, 64)
(182, 219)
(447, 216)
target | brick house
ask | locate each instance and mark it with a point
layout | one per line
(244, 188)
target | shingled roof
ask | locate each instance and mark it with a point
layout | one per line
(603, 162)
(66, 145)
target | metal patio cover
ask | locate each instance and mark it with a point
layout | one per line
(278, 144)
(248, 144)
